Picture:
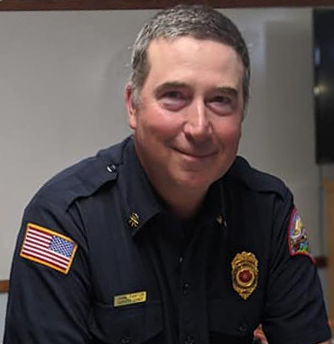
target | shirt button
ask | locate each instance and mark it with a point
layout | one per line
(111, 168)
(125, 340)
(181, 260)
(185, 289)
(243, 328)
(189, 340)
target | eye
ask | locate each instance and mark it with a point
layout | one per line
(222, 104)
(173, 100)
(173, 95)
(221, 99)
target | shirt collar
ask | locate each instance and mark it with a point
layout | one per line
(213, 208)
(142, 203)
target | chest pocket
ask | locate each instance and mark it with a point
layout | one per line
(231, 323)
(133, 324)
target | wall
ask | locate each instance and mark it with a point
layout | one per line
(61, 95)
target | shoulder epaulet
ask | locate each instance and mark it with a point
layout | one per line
(82, 179)
(242, 172)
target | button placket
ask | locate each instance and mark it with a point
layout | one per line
(189, 340)
(243, 328)
(185, 289)
(190, 287)
(125, 340)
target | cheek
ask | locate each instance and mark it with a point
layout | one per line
(162, 125)
(229, 132)
(235, 134)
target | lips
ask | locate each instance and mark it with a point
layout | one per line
(196, 155)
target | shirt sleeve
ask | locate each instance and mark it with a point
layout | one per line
(294, 307)
(46, 304)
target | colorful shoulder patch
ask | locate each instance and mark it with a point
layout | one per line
(297, 237)
(48, 248)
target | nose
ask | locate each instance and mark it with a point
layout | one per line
(198, 126)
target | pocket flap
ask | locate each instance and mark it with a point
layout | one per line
(133, 324)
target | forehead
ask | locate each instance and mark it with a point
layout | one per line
(188, 57)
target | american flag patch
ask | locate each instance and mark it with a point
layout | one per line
(49, 248)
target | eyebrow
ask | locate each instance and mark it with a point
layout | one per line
(178, 84)
(228, 90)
(170, 85)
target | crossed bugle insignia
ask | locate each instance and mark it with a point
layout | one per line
(245, 274)
(297, 236)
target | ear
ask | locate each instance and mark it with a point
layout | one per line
(131, 110)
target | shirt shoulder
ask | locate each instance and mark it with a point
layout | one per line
(81, 179)
(242, 173)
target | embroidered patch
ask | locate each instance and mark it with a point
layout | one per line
(297, 237)
(48, 248)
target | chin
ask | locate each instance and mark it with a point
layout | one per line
(195, 181)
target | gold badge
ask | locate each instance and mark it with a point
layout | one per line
(244, 274)
(128, 299)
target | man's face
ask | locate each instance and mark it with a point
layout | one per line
(187, 125)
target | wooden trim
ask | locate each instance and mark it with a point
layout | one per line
(328, 185)
(4, 286)
(79, 5)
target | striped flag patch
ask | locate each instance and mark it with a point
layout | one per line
(48, 248)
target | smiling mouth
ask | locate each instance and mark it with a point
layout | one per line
(196, 155)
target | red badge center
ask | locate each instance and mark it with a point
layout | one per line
(245, 276)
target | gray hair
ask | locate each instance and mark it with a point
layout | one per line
(197, 21)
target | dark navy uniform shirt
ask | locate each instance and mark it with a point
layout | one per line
(140, 275)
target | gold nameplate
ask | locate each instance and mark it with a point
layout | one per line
(128, 299)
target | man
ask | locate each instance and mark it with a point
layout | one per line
(168, 237)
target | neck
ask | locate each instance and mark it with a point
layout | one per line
(184, 203)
